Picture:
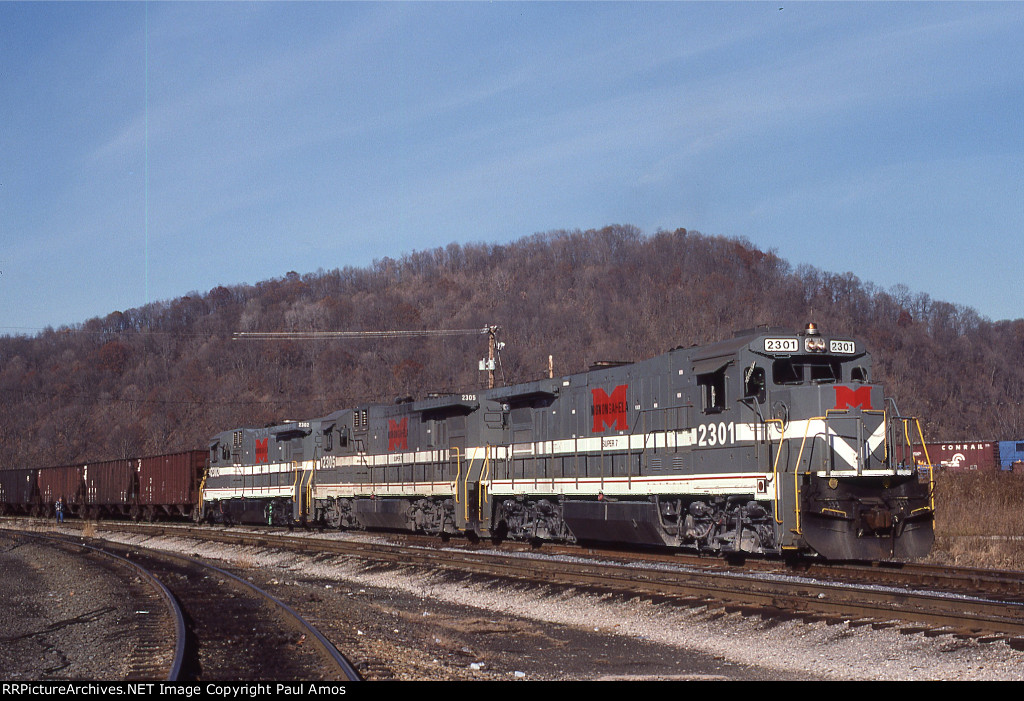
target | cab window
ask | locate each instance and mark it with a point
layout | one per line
(712, 388)
(754, 384)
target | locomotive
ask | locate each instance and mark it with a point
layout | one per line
(771, 442)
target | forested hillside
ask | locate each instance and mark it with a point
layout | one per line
(167, 376)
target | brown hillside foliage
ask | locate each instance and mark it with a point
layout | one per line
(167, 376)
(979, 521)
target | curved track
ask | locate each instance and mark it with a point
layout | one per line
(983, 604)
(151, 668)
(237, 631)
(62, 600)
(217, 626)
(977, 603)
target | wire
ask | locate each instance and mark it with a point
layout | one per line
(313, 335)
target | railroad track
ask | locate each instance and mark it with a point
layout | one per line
(984, 604)
(229, 629)
(241, 632)
(161, 652)
(146, 615)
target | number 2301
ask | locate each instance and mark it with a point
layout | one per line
(709, 435)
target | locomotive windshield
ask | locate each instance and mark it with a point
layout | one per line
(802, 369)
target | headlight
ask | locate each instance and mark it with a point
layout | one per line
(814, 344)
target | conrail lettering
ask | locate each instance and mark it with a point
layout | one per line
(609, 411)
(398, 434)
(847, 398)
(262, 450)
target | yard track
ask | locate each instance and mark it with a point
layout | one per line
(984, 604)
(226, 629)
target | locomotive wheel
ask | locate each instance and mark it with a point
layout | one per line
(332, 516)
(499, 533)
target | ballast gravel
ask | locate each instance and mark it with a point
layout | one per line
(400, 623)
(62, 617)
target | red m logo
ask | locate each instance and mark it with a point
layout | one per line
(609, 411)
(398, 434)
(261, 450)
(847, 398)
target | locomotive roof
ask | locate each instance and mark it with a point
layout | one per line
(702, 359)
(729, 346)
(742, 339)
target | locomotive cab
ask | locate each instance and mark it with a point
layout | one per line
(846, 497)
(259, 475)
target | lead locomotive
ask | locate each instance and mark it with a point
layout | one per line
(770, 442)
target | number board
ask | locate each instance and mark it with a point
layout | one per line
(781, 345)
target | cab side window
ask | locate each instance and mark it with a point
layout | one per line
(754, 384)
(712, 389)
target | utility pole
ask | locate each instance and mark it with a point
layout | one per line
(491, 343)
(493, 347)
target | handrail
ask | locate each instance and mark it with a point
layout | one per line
(308, 506)
(775, 464)
(885, 418)
(469, 471)
(796, 469)
(297, 486)
(458, 468)
(484, 475)
(465, 485)
(202, 488)
(931, 468)
(906, 420)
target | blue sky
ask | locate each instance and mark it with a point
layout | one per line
(150, 151)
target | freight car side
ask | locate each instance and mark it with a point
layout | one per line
(1011, 454)
(65, 483)
(958, 455)
(149, 487)
(109, 487)
(19, 491)
(169, 484)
